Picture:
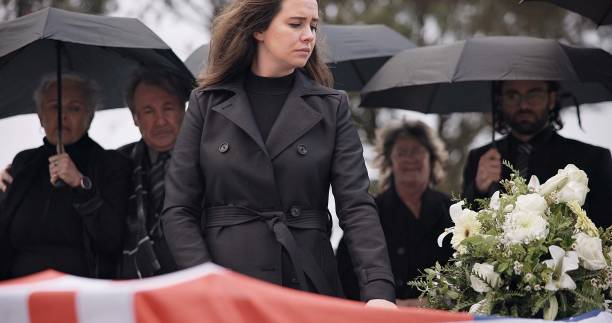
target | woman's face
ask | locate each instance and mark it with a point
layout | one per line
(75, 114)
(410, 162)
(289, 40)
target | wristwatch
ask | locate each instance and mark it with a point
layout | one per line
(85, 183)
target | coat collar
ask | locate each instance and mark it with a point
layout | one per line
(295, 118)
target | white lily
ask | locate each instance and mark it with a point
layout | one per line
(561, 263)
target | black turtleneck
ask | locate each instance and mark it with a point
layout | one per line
(267, 96)
(46, 231)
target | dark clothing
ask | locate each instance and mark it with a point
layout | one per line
(550, 153)
(67, 229)
(411, 242)
(266, 96)
(221, 161)
(145, 252)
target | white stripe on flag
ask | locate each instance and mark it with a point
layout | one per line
(14, 307)
(103, 306)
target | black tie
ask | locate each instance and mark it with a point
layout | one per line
(156, 193)
(523, 152)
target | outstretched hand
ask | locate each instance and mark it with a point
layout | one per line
(380, 303)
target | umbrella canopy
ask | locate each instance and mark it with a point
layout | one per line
(600, 11)
(354, 52)
(458, 77)
(104, 49)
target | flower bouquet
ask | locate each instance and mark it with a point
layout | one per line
(530, 252)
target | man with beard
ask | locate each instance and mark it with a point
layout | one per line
(528, 112)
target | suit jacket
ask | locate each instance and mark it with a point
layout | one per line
(220, 159)
(412, 242)
(549, 155)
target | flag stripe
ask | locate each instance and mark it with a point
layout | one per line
(52, 307)
(14, 307)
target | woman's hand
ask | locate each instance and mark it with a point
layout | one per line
(380, 303)
(62, 167)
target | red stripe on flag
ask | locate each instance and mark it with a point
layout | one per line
(233, 298)
(52, 307)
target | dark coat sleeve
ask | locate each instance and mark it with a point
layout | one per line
(598, 204)
(357, 213)
(469, 177)
(184, 192)
(104, 207)
(15, 191)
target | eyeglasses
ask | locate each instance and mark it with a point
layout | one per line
(533, 97)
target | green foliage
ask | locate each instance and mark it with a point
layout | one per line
(507, 266)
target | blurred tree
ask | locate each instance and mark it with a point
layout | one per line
(10, 9)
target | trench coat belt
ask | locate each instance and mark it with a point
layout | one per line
(280, 222)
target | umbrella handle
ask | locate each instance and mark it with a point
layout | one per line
(59, 147)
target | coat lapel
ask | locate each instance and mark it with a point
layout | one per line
(296, 117)
(237, 109)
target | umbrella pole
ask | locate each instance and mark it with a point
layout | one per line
(59, 147)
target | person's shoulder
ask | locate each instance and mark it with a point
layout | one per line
(440, 196)
(126, 149)
(112, 157)
(24, 156)
(580, 146)
(479, 151)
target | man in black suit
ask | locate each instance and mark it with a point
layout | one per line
(157, 103)
(528, 113)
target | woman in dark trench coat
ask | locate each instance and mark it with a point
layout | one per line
(263, 138)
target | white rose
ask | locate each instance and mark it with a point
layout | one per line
(590, 251)
(531, 203)
(573, 191)
(484, 271)
(553, 183)
(571, 184)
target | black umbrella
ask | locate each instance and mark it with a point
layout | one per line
(354, 52)
(600, 11)
(104, 49)
(458, 77)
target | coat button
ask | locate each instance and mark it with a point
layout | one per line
(224, 147)
(301, 149)
(295, 212)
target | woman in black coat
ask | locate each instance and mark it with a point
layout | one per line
(412, 214)
(75, 228)
(262, 140)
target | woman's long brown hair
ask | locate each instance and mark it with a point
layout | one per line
(233, 46)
